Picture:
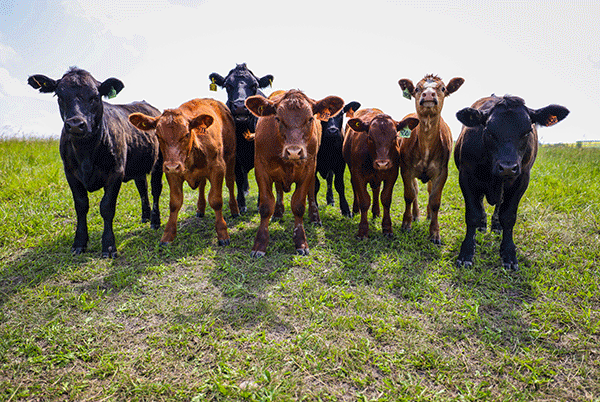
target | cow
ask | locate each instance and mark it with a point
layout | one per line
(197, 141)
(426, 153)
(494, 154)
(330, 161)
(100, 149)
(241, 83)
(287, 140)
(371, 151)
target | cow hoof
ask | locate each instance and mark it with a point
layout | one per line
(233, 216)
(224, 242)
(243, 210)
(77, 250)
(511, 266)
(389, 235)
(200, 214)
(276, 218)
(462, 263)
(164, 243)
(111, 253)
(257, 254)
(155, 226)
(317, 223)
(302, 251)
(436, 241)
(347, 214)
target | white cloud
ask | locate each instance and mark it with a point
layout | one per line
(13, 87)
(7, 53)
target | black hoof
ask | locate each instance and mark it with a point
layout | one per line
(257, 254)
(77, 250)
(389, 235)
(243, 210)
(233, 216)
(155, 226)
(511, 266)
(164, 244)
(462, 263)
(224, 242)
(302, 251)
(111, 253)
(199, 214)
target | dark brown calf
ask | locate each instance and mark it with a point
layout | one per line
(426, 153)
(286, 143)
(371, 152)
(197, 141)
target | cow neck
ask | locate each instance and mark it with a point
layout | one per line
(87, 151)
(428, 130)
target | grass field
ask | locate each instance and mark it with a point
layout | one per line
(372, 320)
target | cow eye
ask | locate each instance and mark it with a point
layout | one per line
(418, 89)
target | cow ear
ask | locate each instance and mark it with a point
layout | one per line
(549, 115)
(471, 117)
(409, 122)
(327, 107)
(453, 85)
(111, 87)
(358, 125)
(265, 81)
(350, 108)
(217, 79)
(260, 106)
(201, 123)
(143, 122)
(42, 83)
(407, 87)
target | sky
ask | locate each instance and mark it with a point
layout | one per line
(163, 50)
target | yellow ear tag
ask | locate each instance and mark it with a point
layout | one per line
(552, 120)
(406, 94)
(405, 132)
(260, 110)
(212, 86)
(270, 82)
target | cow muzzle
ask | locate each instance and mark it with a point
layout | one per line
(294, 152)
(428, 99)
(76, 126)
(173, 167)
(507, 170)
(382, 164)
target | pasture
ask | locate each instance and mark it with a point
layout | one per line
(368, 320)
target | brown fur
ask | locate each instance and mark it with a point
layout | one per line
(371, 151)
(287, 140)
(426, 153)
(198, 143)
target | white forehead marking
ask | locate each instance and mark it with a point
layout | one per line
(430, 84)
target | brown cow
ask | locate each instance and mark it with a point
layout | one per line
(426, 153)
(197, 141)
(286, 143)
(371, 151)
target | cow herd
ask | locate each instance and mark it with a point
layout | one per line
(290, 138)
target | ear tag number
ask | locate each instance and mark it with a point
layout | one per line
(212, 86)
(552, 120)
(404, 133)
(406, 94)
(112, 93)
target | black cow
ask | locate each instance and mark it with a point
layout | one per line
(240, 84)
(101, 149)
(494, 155)
(330, 161)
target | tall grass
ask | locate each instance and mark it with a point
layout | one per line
(372, 320)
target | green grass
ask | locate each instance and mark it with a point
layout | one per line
(373, 320)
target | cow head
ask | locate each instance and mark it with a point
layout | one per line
(509, 130)
(177, 135)
(240, 84)
(430, 92)
(382, 137)
(79, 99)
(333, 127)
(294, 115)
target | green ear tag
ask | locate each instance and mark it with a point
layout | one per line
(112, 93)
(212, 86)
(404, 133)
(406, 94)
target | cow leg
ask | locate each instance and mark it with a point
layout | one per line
(298, 208)
(474, 213)
(266, 209)
(329, 194)
(362, 199)
(230, 183)
(201, 204)
(175, 202)
(317, 188)
(82, 206)
(313, 209)
(341, 190)
(142, 187)
(375, 207)
(241, 182)
(411, 211)
(156, 189)
(108, 205)
(215, 199)
(386, 202)
(507, 215)
(279, 208)
(435, 188)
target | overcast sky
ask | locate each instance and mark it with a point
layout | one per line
(164, 50)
